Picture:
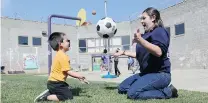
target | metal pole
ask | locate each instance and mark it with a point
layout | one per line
(77, 63)
(105, 8)
(107, 40)
(49, 33)
(49, 47)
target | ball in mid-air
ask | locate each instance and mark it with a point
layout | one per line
(93, 12)
(106, 27)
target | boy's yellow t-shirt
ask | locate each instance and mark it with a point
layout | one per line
(59, 66)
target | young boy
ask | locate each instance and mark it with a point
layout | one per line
(58, 89)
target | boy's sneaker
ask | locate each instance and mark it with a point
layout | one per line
(174, 91)
(43, 96)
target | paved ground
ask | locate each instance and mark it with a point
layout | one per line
(195, 80)
(192, 79)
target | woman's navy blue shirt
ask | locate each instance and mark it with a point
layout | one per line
(147, 61)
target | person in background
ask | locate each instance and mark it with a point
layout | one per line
(117, 71)
(105, 59)
(130, 62)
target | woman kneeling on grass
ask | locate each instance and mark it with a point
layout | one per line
(152, 54)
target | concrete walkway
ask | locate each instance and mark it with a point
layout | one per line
(194, 80)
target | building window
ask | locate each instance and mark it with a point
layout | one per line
(126, 42)
(82, 50)
(115, 42)
(179, 29)
(126, 47)
(22, 40)
(97, 45)
(168, 30)
(91, 43)
(91, 50)
(36, 41)
(82, 46)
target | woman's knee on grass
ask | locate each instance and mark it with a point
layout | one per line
(133, 94)
(123, 87)
(137, 95)
(121, 90)
(126, 84)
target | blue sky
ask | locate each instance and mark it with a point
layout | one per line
(39, 10)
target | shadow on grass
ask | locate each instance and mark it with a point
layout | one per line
(111, 88)
(76, 92)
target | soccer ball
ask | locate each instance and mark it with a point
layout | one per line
(106, 28)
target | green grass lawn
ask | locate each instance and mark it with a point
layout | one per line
(24, 88)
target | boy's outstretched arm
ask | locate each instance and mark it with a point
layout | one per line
(66, 68)
(78, 76)
(75, 75)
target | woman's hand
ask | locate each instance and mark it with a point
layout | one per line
(119, 53)
(153, 49)
(137, 36)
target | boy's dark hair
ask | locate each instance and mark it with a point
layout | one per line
(105, 51)
(55, 39)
